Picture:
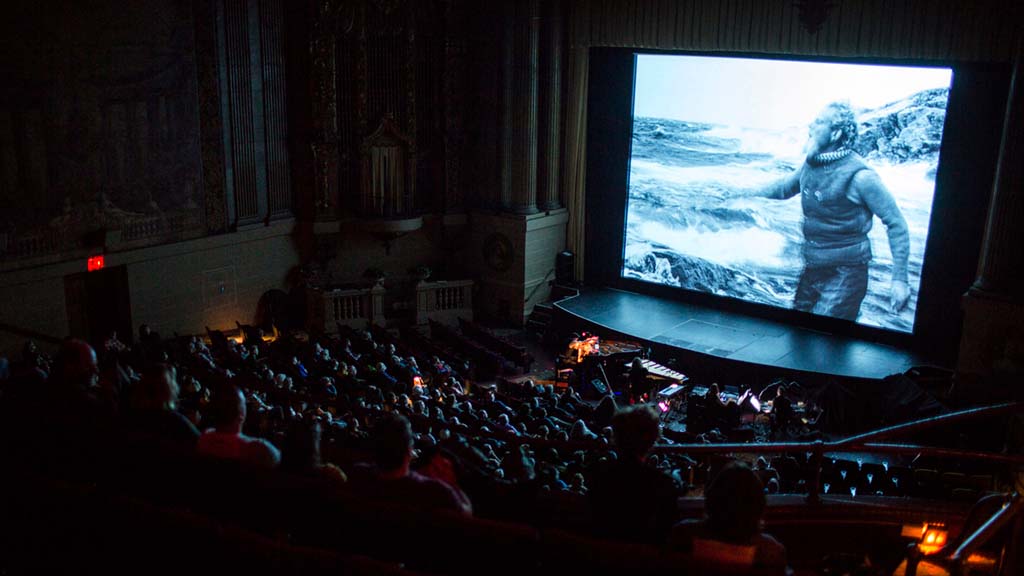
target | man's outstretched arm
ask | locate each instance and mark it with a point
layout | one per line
(868, 189)
(781, 189)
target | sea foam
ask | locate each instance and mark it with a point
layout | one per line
(740, 246)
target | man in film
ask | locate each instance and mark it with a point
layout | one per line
(840, 195)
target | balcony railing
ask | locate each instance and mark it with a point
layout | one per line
(353, 307)
(444, 301)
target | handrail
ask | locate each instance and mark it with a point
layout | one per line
(27, 333)
(943, 453)
(825, 447)
(993, 525)
(930, 422)
(537, 286)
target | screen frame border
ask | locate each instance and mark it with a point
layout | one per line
(967, 147)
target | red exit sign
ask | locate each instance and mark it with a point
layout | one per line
(95, 263)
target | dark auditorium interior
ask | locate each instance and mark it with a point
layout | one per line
(339, 287)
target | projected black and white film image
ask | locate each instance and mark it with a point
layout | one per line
(794, 184)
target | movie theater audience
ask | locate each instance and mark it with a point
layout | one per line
(422, 438)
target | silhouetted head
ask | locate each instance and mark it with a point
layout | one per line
(392, 442)
(76, 364)
(636, 429)
(301, 452)
(157, 390)
(734, 502)
(227, 408)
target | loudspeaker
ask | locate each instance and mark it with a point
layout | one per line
(565, 264)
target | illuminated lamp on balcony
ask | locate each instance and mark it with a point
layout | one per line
(933, 539)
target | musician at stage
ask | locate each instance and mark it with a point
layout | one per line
(782, 412)
(639, 385)
(715, 405)
(723, 413)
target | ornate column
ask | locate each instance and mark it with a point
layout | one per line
(992, 342)
(325, 115)
(454, 88)
(550, 158)
(506, 146)
(524, 117)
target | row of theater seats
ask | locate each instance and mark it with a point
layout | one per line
(843, 476)
(56, 527)
(242, 522)
(514, 353)
(488, 363)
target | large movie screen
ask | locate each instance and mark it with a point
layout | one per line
(800, 185)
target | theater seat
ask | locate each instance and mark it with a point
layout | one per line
(722, 553)
(565, 552)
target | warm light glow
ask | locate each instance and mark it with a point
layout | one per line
(417, 382)
(273, 336)
(95, 263)
(913, 530)
(584, 347)
(980, 560)
(932, 539)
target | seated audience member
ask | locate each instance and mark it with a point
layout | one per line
(34, 366)
(571, 403)
(149, 345)
(731, 532)
(390, 479)
(301, 455)
(382, 379)
(503, 424)
(579, 431)
(226, 413)
(629, 499)
(152, 416)
(59, 422)
(519, 465)
(605, 411)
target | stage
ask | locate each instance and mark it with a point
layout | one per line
(741, 341)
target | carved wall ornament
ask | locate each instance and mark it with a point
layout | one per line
(324, 155)
(387, 175)
(380, 62)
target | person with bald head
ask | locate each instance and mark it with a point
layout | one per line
(225, 440)
(75, 366)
